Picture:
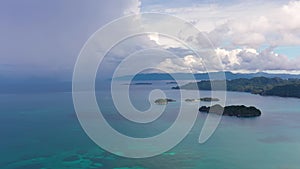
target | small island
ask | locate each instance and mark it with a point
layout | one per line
(235, 110)
(209, 99)
(171, 82)
(204, 99)
(164, 101)
(141, 83)
(192, 100)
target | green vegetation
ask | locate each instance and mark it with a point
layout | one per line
(209, 99)
(256, 85)
(289, 90)
(163, 101)
(238, 111)
(191, 100)
(204, 99)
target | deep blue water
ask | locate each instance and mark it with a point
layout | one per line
(42, 131)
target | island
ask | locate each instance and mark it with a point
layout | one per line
(204, 99)
(141, 83)
(164, 101)
(209, 99)
(258, 85)
(234, 110)
(171, 82)
(192, 100)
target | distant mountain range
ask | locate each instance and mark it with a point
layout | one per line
(203, 76)
(33, 84)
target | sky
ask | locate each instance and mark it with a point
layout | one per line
(44, 38)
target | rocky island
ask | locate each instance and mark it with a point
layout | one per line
(164, 101)
(236, 110)
(204, 99)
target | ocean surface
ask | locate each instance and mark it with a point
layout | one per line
(41, 130)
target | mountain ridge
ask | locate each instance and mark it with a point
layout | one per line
(52, 84)
(203, 76)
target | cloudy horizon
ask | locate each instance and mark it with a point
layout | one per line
(44, 38)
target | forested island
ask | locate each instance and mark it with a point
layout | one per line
(141, 83)
(238, 111)
(257, 85)
(204, 99)
(163, 101)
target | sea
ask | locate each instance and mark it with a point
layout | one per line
(42, 131)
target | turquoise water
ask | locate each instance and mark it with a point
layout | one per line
(42, 131)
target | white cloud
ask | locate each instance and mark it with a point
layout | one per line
(238, 60)
(239, 31)
(277, 26)
(189, 64)
(248, 23)
(132, 6)
(165, 42)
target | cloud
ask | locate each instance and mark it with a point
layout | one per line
(132, 7)
(45, 38)
(246, 23)
(278, 26)
(38, 41)
(239, 32)
(188, 64)
(238, 60)
(165, 42)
